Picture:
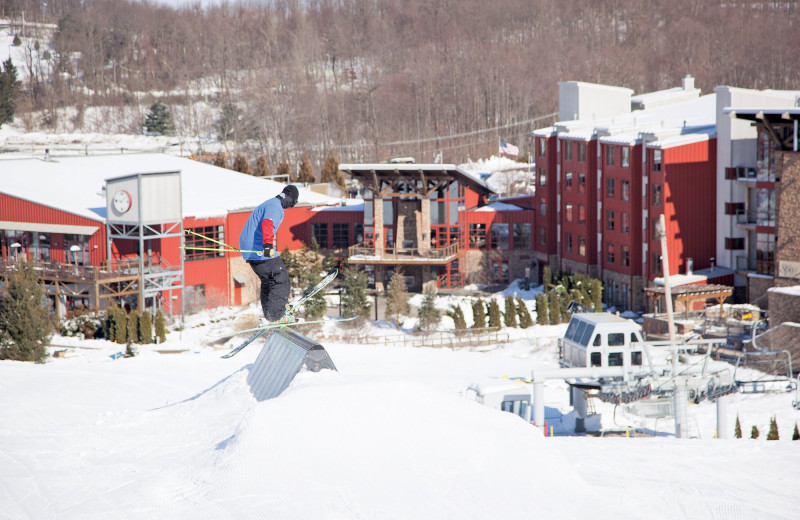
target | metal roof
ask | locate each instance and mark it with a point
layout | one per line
(366, 170)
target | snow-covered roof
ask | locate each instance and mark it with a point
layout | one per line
(365, 169)
(75, 184)
(793, 290)
(499, 206)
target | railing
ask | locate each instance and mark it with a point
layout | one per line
(60, 271)
(441, 339)
(404, 253)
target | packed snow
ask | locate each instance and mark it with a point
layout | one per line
(175, 432)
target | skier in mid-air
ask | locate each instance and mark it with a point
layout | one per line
(258, 243)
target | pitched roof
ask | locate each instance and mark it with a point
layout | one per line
(75, 184)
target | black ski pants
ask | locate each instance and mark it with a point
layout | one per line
(275, 286)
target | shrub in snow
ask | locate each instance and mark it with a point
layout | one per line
(754, 432)
(24, 324)
(145, 328)
(525, 319)
(542, 316)
(355, 299)
(773, 430)
(429, 316)
(478, 314)
(161, 327)
(737, 431)
(397, 304)
(87, 325)
(495, 319)
(553, 308)
(457, 315)
(510, 314)
(796, 434)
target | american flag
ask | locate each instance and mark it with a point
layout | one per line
(508, 149)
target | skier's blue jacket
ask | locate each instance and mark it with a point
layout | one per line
(261, 229)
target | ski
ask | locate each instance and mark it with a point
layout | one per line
(259, 331)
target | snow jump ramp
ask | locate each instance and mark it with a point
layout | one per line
(283, 355)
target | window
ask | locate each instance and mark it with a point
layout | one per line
(568, 242)
(656, 160)
(499, 236)
(543, 235)
(522, 236)
(581, 214)
(626, 257)
(542, 177)
(499, 271)
(734, 243)
(626, 223)
(657, 263)
(477, 236)
(568, 150)
(656, 194)
(609, 155)
(543, 208)
(581, 182)
(610, 188)
(610, 220)
(626, 190)
(582, 246)
(615, 359)
(341, 235)
(626, 156)
(320, 234)
(636, 356)
(610, 251)
(542, 146)
(211, 249)
(581, 152)
(568, 212)
(568, 179)
(765, 253)
(616, 339)
(358, 232)
(594, 359)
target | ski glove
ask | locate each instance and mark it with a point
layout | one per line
(269, 252)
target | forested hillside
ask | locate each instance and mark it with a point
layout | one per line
(370, 79)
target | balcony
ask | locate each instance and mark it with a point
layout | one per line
(365, 255)
(752, 218)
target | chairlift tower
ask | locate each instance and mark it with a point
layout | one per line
(146, 207)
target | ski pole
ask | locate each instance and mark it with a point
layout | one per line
(229, 248)
(211, 239)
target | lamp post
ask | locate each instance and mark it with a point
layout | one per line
(74, 248)
(15, 248)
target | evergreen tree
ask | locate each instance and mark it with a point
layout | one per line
(554, 308)
(737, 430)
(772, 435)
(525, 319)
(429, 316)
(241, 164)
(796, 434)
(10, 88)
(159, 120)
(597, 294)
(330, 172)
(285, 171)
(754, 432)
(397, 304)
(355, 299)
(547, 277)
(306, 171)
(227, 122)
(120, 326)
(459, 322)
(24, 324)
(262, 168)
(478, 314)
(495, 318)
(161, 327)
(145, 328)
(542, 316)
(309, 267)
(510, 313)
(133, 326)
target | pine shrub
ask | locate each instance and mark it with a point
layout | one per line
(510, 314)
(429, 316)
(133, 326)
(306, 171)
(355, 298)
(459, 322)
(754, 432)
(773, 435)
(796, 434)
(478, 314)
(397, 303)
(525, 319)
(262, 168)
(24, 323)
(737, 431)
(161, 327)
(159, 120)
(145, 328)
(542, 316)
(495, 318)
(554, 308)
(241, 164)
